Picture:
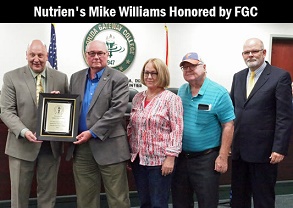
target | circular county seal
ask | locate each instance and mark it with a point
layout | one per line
(119, 40)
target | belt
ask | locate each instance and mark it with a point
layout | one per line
(197, 154)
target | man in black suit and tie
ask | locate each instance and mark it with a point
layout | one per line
(262, 127)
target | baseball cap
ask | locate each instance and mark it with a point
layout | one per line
(191, 57)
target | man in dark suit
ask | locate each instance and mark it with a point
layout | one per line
(262, 128)
(19, 113)
(101, 150)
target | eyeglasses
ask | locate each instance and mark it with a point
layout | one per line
(99, 54)
(192, 67)
(254, 52)
(153, 74)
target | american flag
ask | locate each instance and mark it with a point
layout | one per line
(53, 48)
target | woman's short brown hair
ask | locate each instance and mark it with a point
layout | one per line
(163, 79)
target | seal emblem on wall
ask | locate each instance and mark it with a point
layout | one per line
(119, 40)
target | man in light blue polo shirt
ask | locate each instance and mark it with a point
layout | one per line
(207, 137)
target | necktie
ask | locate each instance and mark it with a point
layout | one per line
(39, 87)
(250, 83)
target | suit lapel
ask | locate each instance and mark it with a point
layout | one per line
(50, 81)
(30, 82)
(243, 84)
(82, 82)
(261, 80)
(102, 82)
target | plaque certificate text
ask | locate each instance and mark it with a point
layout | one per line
(58, 117)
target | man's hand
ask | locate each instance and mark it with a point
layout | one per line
(83, 137)
(221, 164)
(276, 158)
(31, 137)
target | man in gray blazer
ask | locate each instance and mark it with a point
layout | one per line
(101, 150)
(262, 128)
(19, 113)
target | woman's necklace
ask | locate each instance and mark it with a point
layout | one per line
(152, 95)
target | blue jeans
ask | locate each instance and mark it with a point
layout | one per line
(153, 188)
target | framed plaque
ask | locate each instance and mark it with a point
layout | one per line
(58, 116)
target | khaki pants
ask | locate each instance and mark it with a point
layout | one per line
(88, 177)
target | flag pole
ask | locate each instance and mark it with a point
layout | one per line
(167, 45)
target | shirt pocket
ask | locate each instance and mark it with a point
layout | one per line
(203, 117)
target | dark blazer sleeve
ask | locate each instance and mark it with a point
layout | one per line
(284, 114)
